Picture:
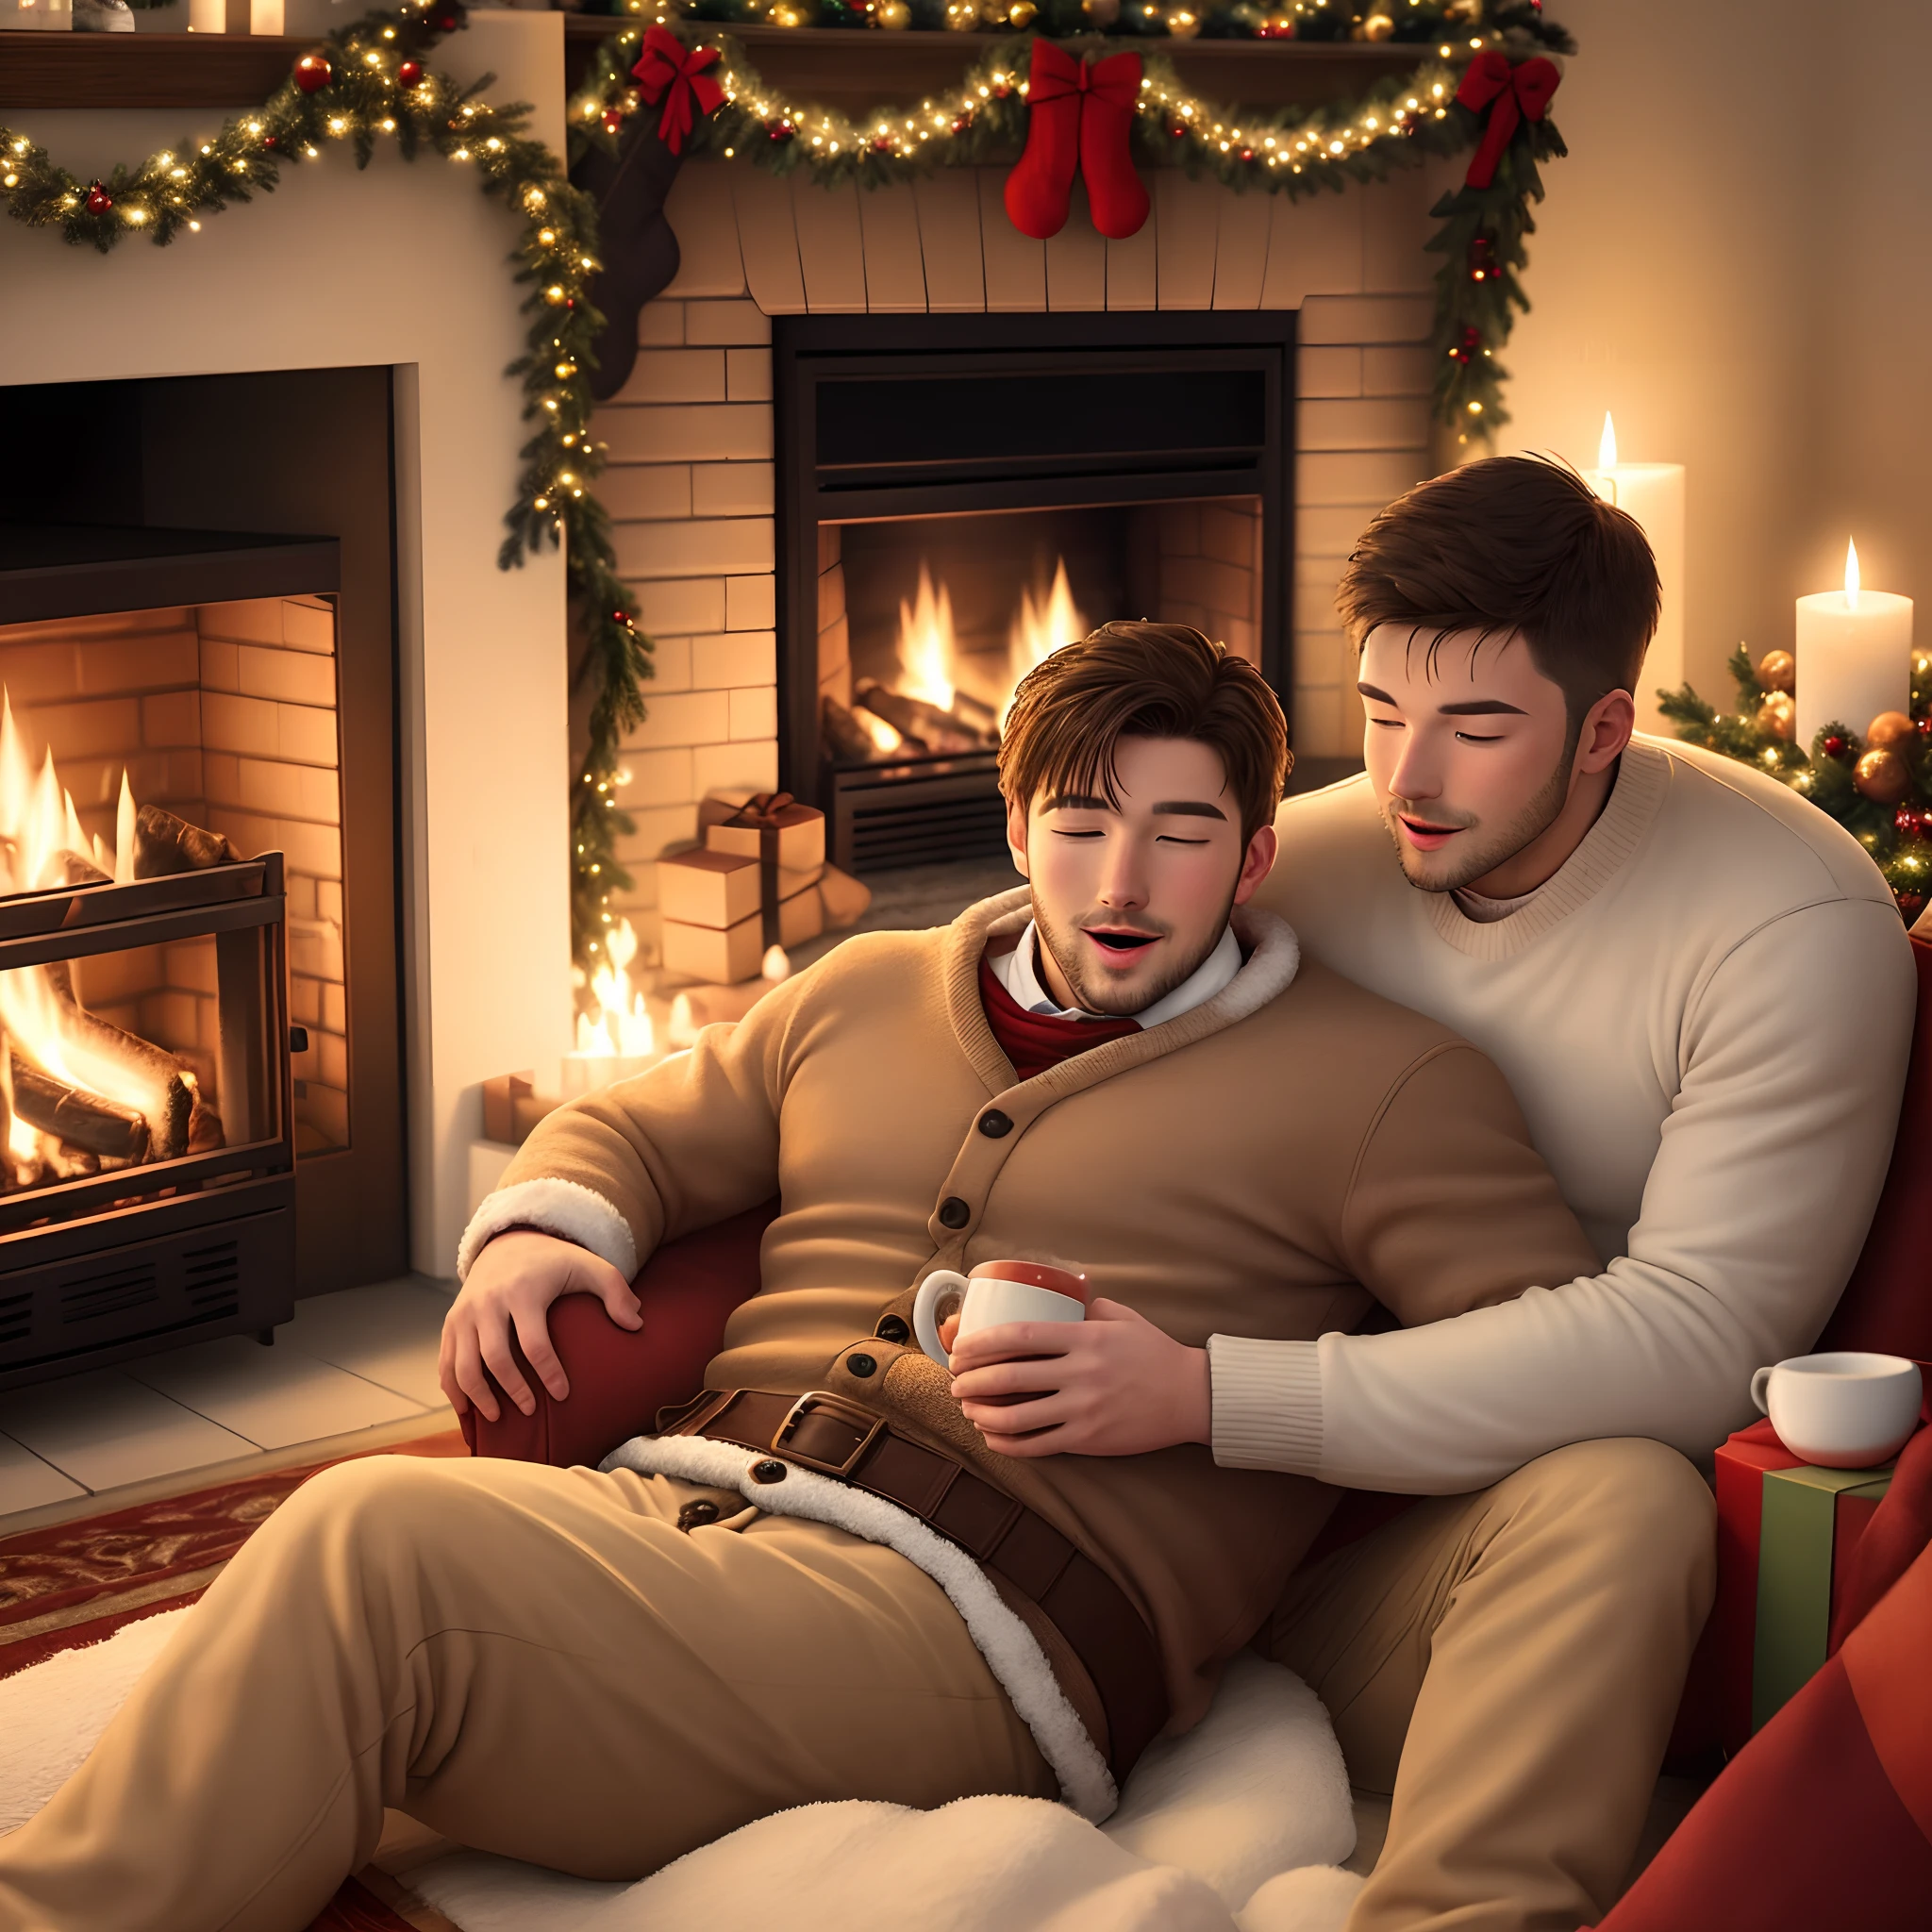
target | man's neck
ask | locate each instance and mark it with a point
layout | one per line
(1547, 853)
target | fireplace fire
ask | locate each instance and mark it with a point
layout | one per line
(962, 496)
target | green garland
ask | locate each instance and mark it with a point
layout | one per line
(1833, 772)
(371, 81)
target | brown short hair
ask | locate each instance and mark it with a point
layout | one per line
(1143, 680)
(1508, 544)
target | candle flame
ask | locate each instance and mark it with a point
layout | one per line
(1607, 445)
(1851, 575)
(620, 1023)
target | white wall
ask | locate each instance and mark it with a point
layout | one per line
(1734, 259)
(405, 266)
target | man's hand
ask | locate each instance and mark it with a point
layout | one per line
(1116, 1386)
(513, 1282)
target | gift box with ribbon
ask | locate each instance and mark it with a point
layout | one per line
(1788, 1533)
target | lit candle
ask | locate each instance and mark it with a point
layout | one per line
(1855, 655)
(1652, 493)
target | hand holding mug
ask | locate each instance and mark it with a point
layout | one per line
(995, 1294)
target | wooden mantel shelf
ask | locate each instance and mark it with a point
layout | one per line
(853, 71)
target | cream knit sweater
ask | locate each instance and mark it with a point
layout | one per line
(1705, 1016)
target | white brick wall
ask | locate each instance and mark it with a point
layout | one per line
(689, 486)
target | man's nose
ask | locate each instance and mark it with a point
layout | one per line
(1124, 875)
(1418, 772)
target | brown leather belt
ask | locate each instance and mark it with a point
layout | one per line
(840, 1439)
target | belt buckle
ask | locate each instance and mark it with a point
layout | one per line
(833, 1405)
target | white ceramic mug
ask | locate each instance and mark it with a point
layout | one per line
(993, 1293)
(1840, 1411)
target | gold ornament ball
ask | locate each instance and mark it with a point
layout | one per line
(1778, 715)
(1378, 27)
(962, 16)
(1778, 671)
(1883, 777)
(1021, 12)
(1922, 666)
(1889, 727)
(894, 15)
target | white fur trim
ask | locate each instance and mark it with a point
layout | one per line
(1011, 1652)
(566, 1209)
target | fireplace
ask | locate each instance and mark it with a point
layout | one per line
(200, 1091)
(959, 496)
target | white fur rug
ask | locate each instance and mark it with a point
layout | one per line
(1239, 1826)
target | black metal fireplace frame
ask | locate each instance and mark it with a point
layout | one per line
(102, 1269)
(1152, 350)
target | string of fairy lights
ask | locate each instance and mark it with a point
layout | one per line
(372, 81)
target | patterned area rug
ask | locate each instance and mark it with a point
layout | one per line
(74, 1583)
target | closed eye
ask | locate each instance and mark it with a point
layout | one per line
(1473, 738)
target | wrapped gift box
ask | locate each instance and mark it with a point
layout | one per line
(716, 890)
(1787, 1535)
(768, 825)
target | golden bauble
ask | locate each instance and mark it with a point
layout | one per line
(1922, 666)
(1021, 12)
(1889, 727)
(893, 16)
(1378, 27)
(962, 16)
(1883, 777)
(1778, 671)
(1778, 715)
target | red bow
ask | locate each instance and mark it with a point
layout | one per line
(1518, 92)
(1079, 118)
(763, 810)
(675, 73)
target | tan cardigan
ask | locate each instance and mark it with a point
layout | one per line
(1269, 1164)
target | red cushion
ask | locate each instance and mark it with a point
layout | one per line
(620, 1377)
(1887, 1305)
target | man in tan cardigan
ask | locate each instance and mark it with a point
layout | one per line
(822, 1582)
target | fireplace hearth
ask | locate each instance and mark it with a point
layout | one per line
(960, 497)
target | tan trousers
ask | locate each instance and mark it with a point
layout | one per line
(1508, 1665)
(533, 1661)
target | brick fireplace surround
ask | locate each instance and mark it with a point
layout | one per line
(690, 483)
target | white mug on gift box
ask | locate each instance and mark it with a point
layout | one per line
(1848, 1410)
(996, 1292)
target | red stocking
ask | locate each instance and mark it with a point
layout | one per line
(1041, 188)
(1114, 191)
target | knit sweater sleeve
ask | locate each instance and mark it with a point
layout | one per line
(687, 1143)
(1792, 1064)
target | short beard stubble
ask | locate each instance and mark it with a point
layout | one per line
(1484, 856)
(1067, 958)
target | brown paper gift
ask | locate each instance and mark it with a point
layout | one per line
(713, 888)
(721, 954)
(770, 826)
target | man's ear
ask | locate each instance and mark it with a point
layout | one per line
(1016, 837)
(1607, 728)
(1256, 863)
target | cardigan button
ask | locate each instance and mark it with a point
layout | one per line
(770, 1471)
(954, 1213)
(891, 1329)
(862, 1365)
(994, 1124)
(695, 1515)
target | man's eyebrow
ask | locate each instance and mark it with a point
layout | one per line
(1190, 808)
(1473, 708)
(1075, 801)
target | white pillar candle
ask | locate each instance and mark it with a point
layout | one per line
(1855, 655)
(1653, 494)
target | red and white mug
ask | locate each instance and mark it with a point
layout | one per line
(995, 1294)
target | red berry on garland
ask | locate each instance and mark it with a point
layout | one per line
(1924, 727)
(1836, 746)
(98, 199)
(445, 17)
(409, 72)
(313, 72)
(1909, 822)
(1247, 153)
(612, 120)
(1482, 258)
(781, 131)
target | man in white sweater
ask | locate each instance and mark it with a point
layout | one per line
(1701, 992)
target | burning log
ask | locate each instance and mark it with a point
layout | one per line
(976, 715)
(72, 869)
(845, 738)
(85, 1121)
(135, 1062)
(165, 843)
(939, 730)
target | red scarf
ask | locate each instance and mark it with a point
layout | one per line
(1035, 1041)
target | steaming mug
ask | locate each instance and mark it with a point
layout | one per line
(996, 1292)
(1848, 1410)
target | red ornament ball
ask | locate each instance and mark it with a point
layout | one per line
(1835, 746)
(1909, 822)
(313, 72)
(98, 199)
(409, 72)
(612, 121)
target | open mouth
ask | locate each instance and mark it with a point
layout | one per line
(1122, 942)
(1423, 835)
